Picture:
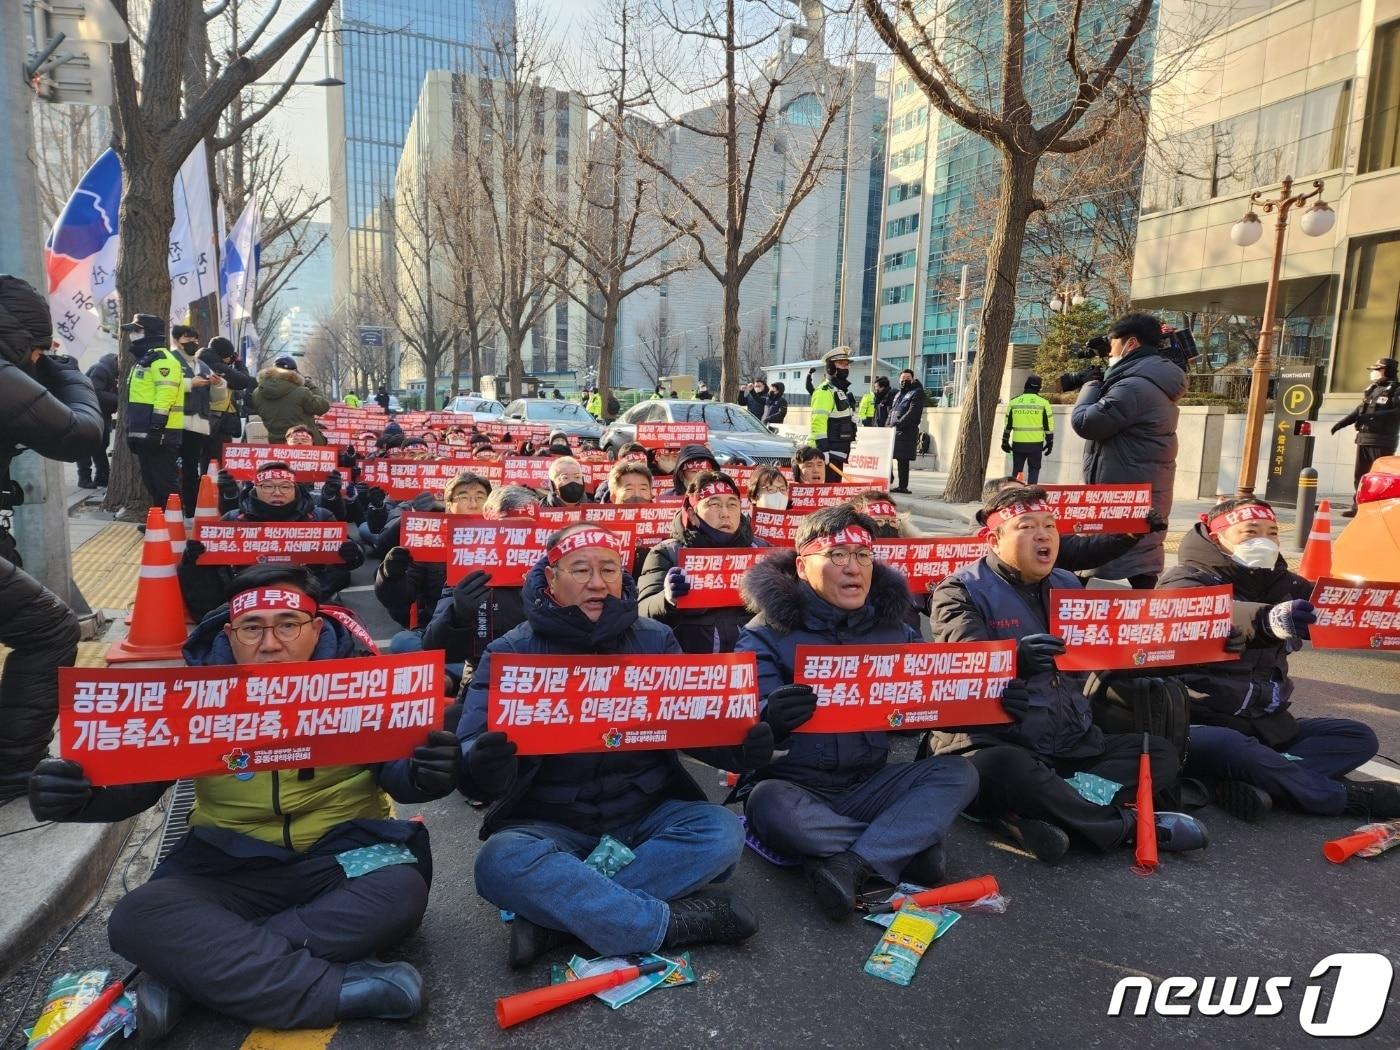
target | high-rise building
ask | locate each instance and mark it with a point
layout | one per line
(382, 49)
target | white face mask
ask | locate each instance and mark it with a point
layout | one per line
(773, 501)
(1377, 375)
(1257, 553)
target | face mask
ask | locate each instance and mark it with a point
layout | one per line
(636, 499)
(1376, 377)
(1258, 553)
(773, 501)
(571, 492)
(887, 531)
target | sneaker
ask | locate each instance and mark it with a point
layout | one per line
(158, 1009)
(928, 867)
(1374, 800)
(1245, 801)
(1042, 840)
(709, 919)
(1179, 833)
(837, 882)
(388, 991)
(528, 941)
(86, 483)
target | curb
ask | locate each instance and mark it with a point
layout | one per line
(71, 877)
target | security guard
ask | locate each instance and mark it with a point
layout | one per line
(595, 404)
(352, 400)
(155, 409)
(833, 412)
(1377, 421)
(1030, 430)
(875, 404)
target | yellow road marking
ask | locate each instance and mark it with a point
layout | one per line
(300, 1039)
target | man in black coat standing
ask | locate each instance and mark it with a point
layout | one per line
(905, 415)
(95, 471)
(1377, 422)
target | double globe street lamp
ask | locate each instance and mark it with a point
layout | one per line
(1317, 221)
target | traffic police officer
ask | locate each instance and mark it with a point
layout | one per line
(833, 412)
(1030, 429)
(155, 409)
(1377, 422)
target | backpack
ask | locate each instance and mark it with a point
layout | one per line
(1160, 706)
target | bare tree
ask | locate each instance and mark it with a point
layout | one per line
(158, 123)
(1100, 73)
(326, 360)
(769, 99)
(657, 351)
(460, 207)
(68, 139)
(753, 349)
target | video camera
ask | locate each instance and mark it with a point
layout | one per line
(1094, 352)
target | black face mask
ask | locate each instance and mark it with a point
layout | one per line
(887, 532)
(571, 491)
(905, 384)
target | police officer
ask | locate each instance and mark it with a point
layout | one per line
(155, 409)
(1029, 431)
(595, 403)
(1377, 421)
(833, 412)
(875, 404)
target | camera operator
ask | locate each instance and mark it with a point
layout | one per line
(50, 408)
(1128, 419)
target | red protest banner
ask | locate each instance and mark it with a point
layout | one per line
(926, 563)
(424, 534)
(308, 462)
(916, 686)
(255, 542)
(405, 478)
(672, 435)
(132, 725)
(557, 705)
(778, 527)
(1108, 630)
(506, 549)
(807, 498)
(650, 522)
(1356, 614)
(531, 471)
(1087, 509)
(740, 475)
(714, 574)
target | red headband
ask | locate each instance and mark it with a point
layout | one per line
(1218, 523)
(269, 599)
(633, 457)
(715, 488)
(1015, 510)
(881, 508)
(851, 534)
(529, 510)
(273, 474)
(698, 463)
(585, 538)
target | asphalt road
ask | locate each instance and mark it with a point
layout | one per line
(1260, 902)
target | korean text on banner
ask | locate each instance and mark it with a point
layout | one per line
(1088, 509)
(807, 498)
(557, 705)
(650, 522)
(133, 725)
(714, 574)
(1355, 614)
(926, 563)
(308, 462)
(672, 435)
(871, 458)
(916, 686)
(506, 550)
(1107, 631)
(254, 542)
(778, 527)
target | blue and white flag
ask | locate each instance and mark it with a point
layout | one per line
(80, 256)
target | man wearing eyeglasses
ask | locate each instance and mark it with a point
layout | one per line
(832, 799)
(272, 906)
(550, 812)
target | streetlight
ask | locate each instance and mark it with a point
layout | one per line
(1065, 299)
(1316, 222)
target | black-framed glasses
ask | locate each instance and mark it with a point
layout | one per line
(283, 631)
(864, 556)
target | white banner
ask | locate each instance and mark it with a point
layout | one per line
(193, 256)
(871, 458)
(238, 281)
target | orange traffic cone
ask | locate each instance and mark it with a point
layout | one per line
(175, 525)
(158, 618)
(206, 508)
(1317, 556)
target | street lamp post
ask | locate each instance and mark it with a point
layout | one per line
(1316, 221)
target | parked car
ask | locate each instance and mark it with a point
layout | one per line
(1369, 546)
(736, 436)
(567, 416)
(481, 409)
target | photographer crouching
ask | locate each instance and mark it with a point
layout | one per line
(50, 408)
(1127, 416)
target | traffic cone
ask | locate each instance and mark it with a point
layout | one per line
(175, 525)
(158, 617)
(1317, 556)
(206, 507)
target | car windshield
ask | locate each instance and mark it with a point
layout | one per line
(563, 410)
(476, 404)
(720, 417)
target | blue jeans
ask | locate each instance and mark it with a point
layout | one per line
(536, 870)
(1326, 748)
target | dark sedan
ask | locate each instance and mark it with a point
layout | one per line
(557, 415)
(735, 435)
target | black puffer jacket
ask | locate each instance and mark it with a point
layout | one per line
(502, 612)
(1250, 694)
(689, 452)
(104, 383)
(421, 584)
(698, 630)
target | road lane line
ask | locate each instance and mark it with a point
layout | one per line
(300, 1039)
(1381, 771)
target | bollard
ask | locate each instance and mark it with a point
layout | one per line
(1307, 504)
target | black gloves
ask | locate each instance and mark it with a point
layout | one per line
(1155, 521)
(351, 554)
(396, 563)
(1006, 444)
(492, 763)
(346, 456)
(228, 487)
(433, 767)
(331, 488)
(1341, 424)
(193, 549)
(58, 790)
(1237, 641)
(788, 707)
(757, 747)
(1016, 700)
(155, 436)
(468, 595)
(1049, 443)
(1035, 654)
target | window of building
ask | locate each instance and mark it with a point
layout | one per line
(804, 111)
(900, 293)
(907, 156)
(1380, 144)
(1369, 322)
(899, 260)
(899, 330)
(899, 227)
(901, 193)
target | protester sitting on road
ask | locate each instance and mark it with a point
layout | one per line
(808, 466)
(663, 462)
(253, 915)
(1051, 735)
(632, 452)
(566, 483)
(831, 799)
(300, 435)
(710, 517)
(879, 508)
(768, 489)
(1245, 742)
(629, 482)
(551, 811)
(273, 497)
(1084, 554)
(690, 464)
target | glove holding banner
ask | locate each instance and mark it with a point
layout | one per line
(787, 708)
(351, 554)
(1035, 654)
(193, 549)
(1155, 521)
(676, 586)
(397, 563)
(1016, 700)
(492, 763)
(468, 595)
(433, 767)
(1289, 621)
(58, 790)
(756, 749)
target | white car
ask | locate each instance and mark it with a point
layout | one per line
(481, 409)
